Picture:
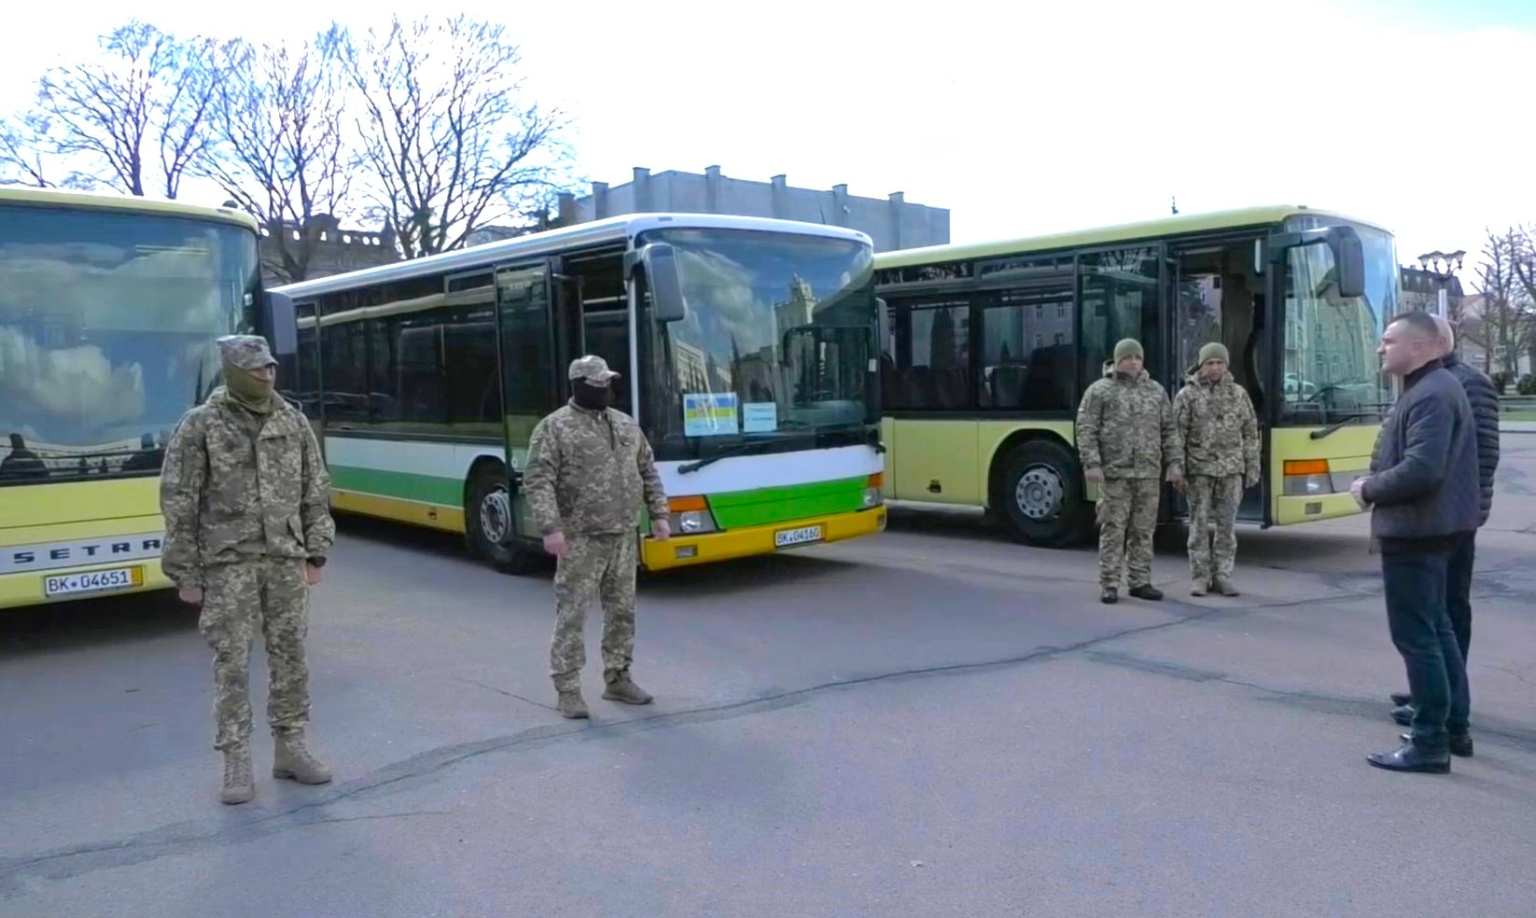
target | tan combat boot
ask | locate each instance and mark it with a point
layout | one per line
(239, 785)
(1225, 587)
(621, 688)
(1197, 588)
(572, 705)
(291, 760)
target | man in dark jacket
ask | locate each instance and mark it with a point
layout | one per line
(1484, 399)
(1423, 495)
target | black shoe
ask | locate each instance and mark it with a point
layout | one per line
(1403, 714)
(1401, 698)
(1110, 596)
(1460, 745)
(1147, 591)
(1409, 758)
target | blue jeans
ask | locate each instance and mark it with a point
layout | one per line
(1415, 584)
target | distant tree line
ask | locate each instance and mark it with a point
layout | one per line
(422, 127)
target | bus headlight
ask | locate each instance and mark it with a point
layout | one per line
(693, 522)
(872, 488)
(691, 516)
(1307, 478)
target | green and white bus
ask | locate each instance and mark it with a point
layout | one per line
(748, 349)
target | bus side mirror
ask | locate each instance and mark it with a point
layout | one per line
(665, 279)
(1349, 257)
(279, 324)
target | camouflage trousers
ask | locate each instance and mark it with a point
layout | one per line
(598, 567)
(269, 594)
(1212, 503)
(1127, 511)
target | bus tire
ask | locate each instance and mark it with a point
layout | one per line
(1042, 495)
(488, 521)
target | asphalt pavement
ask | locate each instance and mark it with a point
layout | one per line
(934, 721)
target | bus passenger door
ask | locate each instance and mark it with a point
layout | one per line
(531, 386)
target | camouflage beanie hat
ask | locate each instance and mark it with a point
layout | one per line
(1214, 351)
(1128, 347)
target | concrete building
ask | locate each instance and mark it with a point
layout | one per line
(891, 222)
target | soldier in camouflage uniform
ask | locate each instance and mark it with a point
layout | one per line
(1220, 434)
(1125, 436)
(245, 496)
(588, 468)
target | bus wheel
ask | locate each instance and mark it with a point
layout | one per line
(1042, 495)
(488, 521)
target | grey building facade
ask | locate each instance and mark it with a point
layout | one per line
(891, 222)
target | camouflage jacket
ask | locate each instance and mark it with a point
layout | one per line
(1218, 428)
(1125, 427)
(587, 471)
(235, 486)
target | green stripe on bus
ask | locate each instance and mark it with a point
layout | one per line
(426, 489)
(766, 506)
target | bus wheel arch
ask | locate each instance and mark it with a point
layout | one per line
(488, 518)
(1036, 488)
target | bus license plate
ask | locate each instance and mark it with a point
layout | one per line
(787, 537)
(118, 578)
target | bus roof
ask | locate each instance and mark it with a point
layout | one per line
(52, 197)
(535, 245)
(1180, 225)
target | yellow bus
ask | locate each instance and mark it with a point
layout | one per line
(988, 348)
(109, 307)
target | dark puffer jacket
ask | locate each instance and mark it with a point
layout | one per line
(1484, 399)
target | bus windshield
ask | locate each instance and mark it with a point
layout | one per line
(775, 351)
(107, 323)
(1331, 370)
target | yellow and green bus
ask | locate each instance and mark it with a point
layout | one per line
(989, 346)
(109, 307)
(748, 353)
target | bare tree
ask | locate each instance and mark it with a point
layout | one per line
(448, 143)
(1506, 326)
(135, 120)
(277, 143)
(22, 160)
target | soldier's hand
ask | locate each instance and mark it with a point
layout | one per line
(192, 596)
(661, 529)
(1094, 476)
(1176, 478)
(554, 543)
(312, 574)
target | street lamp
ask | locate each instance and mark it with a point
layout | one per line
(1452, 261)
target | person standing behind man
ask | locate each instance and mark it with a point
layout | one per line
(246, 500)
(1220, 436)
(1125, 435)
(589, 466)
(1484, 398)
(1422, 491)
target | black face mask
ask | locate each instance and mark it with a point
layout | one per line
(592, 398)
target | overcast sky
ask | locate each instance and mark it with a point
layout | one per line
(1020, 118)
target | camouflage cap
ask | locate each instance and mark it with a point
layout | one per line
(593, 370)
(247, 352)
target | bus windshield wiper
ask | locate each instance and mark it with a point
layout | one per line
(1342, 420)
(740, 449)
